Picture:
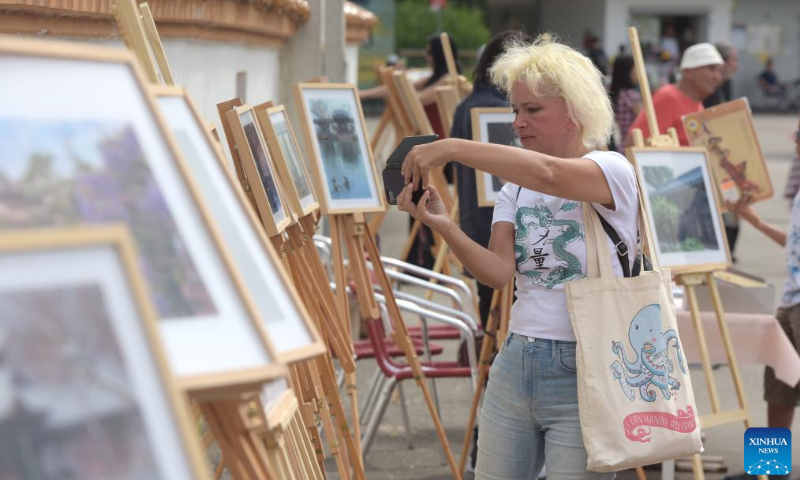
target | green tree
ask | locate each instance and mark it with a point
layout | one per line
(416, 22)
(657, 176)
(665, 218)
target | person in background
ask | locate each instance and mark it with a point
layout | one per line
(596, 54)
(723, 94)
(625, 97)
(768, 80)
(782, 399)
(420, 253)
(701, 74)
(476, 221)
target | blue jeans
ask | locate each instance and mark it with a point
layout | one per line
(530, 412)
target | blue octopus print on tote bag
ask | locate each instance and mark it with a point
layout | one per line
(651, 366)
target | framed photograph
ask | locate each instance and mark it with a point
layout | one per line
(683, 208)
(279, 309)
(259, 169)
(492, 125)
(286, 153)
(411, 104)
(737, 162)
(340, 154)
(93, 149)
(86, 389)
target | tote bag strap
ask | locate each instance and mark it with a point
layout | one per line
(598, 258)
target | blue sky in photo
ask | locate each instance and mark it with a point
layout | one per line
(20, 138)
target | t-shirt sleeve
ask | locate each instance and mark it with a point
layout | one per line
(621, 178)
(505, 206)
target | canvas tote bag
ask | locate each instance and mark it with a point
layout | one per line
(634, 393)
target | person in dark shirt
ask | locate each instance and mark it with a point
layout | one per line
(474, 220)
(768, 81)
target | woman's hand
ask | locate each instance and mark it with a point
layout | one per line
(424, 158)
(743, 209)
(430, 210)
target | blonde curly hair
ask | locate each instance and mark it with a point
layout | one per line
(554, 70)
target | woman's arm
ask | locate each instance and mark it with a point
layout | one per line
(493, 266)
(571, 178)
(748, 213)
(428, 94)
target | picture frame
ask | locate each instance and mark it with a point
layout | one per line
(683, 208)
(737, 161)
(411, 103)
(492, 125)
(96, 150)
(341, 161)
(291, 333)
(80, 336)
(285, 151)
(260, 171)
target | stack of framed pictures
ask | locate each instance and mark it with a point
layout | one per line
(86, 391)
(737, 162)
(259, 169)
(339, 153)
(93, 150)
(683, 208)
(281, 312)
(492, 125)
(297, 184)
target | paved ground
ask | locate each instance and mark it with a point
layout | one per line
(390, 458)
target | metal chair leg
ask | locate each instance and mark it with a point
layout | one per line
(369, 404)
(375, 420)
(406, 419)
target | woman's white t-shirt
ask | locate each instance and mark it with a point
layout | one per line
(550, 247)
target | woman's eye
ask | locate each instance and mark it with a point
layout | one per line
(533, 109)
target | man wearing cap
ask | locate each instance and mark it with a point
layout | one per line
(701, 74)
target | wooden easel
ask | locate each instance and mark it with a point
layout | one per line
(351, 231)
(313, 380)
(692, 279)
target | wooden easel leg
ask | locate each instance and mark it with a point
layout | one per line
(403, 340)
(726, 341)
(640, 474)
(697, 467)
(701, 342)
(331, 390)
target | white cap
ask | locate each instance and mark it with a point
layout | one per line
(701, 55)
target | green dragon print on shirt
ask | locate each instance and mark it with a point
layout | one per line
(559, 233)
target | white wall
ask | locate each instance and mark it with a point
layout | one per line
(617, 18)
(783, 13)
(351, 64)
(208, 71)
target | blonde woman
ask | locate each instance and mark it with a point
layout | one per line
(563, 117)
